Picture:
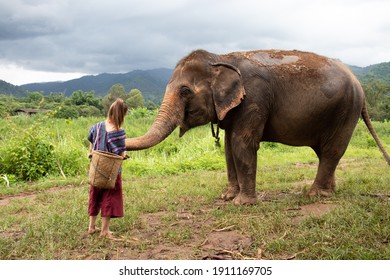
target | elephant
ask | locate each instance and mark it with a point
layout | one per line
(291, 97)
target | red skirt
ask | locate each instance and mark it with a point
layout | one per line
(110, 202)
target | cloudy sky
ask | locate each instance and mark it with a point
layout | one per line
(46, 40)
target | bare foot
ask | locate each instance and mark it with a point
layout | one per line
(93, 230)
(110, 235)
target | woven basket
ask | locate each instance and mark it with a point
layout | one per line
(104, 169)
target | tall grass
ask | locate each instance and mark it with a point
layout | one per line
(196, 150)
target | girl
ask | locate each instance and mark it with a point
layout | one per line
(107, 136)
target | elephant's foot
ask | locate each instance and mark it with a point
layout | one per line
(230, 193)
(243, 199)
(317, 191)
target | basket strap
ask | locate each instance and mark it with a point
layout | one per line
(101, 135)
(96, 136)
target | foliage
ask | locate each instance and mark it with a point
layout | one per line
(88, 111)
(80, 98)
(378, 98)
(67, 112)
(27, 154)
(135, 99)
(35, 147)
(8, 104)
(195, 151)
(35, 98)
(58, 98)
(116, 91)
(150, 105)
(379, 71)
(78, 104)
(141, 113)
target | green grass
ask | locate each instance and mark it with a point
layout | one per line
(177, 185)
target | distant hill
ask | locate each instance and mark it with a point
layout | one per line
(379, 71)
(9, 89)
(151, 83)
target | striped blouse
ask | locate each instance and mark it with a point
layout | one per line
(112, 141)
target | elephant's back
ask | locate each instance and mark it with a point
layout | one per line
(286, 61)
(304, 75)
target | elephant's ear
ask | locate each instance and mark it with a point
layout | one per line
(228, 88)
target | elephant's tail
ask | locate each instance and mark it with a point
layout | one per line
(366, 119)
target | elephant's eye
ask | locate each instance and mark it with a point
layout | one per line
(185, 91)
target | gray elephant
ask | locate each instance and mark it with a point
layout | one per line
(291, 97)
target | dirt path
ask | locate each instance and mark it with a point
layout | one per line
(5, 200)
(206, 242)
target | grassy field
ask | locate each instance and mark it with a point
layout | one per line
(172, 205)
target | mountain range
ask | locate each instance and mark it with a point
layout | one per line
(151, 83)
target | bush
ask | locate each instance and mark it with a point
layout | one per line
(67, 112)
(27, 154)
(141, 112)
(37, 146)
(87, 111)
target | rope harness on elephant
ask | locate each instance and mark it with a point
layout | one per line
(216, 135)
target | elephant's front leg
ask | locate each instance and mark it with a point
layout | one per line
(245, 159)
(241, 160)
(233, 188)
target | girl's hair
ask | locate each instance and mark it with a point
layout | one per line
(117, 112)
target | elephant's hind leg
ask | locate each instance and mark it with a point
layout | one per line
(329, 157)
(324, 183)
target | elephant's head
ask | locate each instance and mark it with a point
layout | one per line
(202, 89)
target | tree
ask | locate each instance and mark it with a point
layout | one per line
(91, 100)
(67, 112)
(377, 95)
(79, 98)
(88, 111)
(116, 91)
(35, 97)
(385, 108)
(151, 106)
(135, 99)
(8, 105)
(55, 97)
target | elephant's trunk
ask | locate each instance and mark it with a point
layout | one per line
(165, 123)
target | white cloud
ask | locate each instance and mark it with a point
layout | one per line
(19, 76)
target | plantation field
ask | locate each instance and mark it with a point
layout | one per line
(171, 198)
